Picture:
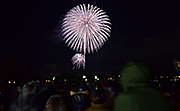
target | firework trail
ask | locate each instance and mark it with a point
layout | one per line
(85, 28)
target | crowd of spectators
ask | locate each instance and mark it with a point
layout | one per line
(133, 93)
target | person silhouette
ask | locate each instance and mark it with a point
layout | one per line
(137, 95)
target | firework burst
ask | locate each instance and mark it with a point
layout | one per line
(85, 29)
(78, 60)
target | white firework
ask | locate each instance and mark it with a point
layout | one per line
(78, 60)
(86, 28)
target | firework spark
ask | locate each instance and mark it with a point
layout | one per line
(86, 28)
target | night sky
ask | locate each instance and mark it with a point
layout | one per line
(147, 31)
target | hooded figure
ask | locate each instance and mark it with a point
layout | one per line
(137, 95)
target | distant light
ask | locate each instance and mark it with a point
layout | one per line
(38, 81)
(167, 77)
(159, 85)
(14, 82)
(171, 79)
(9, 82)
(110, 78)
(84, 76)
(156, 80)
(52, 81)
(54, 78)
(119, 75)
(179, 76)
(95, 77)
(64, 79)
(178, 63)
(49, 81)
(161, 76)
(175, 79)
(96, 88)
(85, 79)
(98, 79)
(46, 80)
(155, 77)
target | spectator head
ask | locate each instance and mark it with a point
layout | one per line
(80, 98)
(27, 98)
(135, 74)
(30, 88)
(55, 103)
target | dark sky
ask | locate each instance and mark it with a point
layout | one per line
(148, 31)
